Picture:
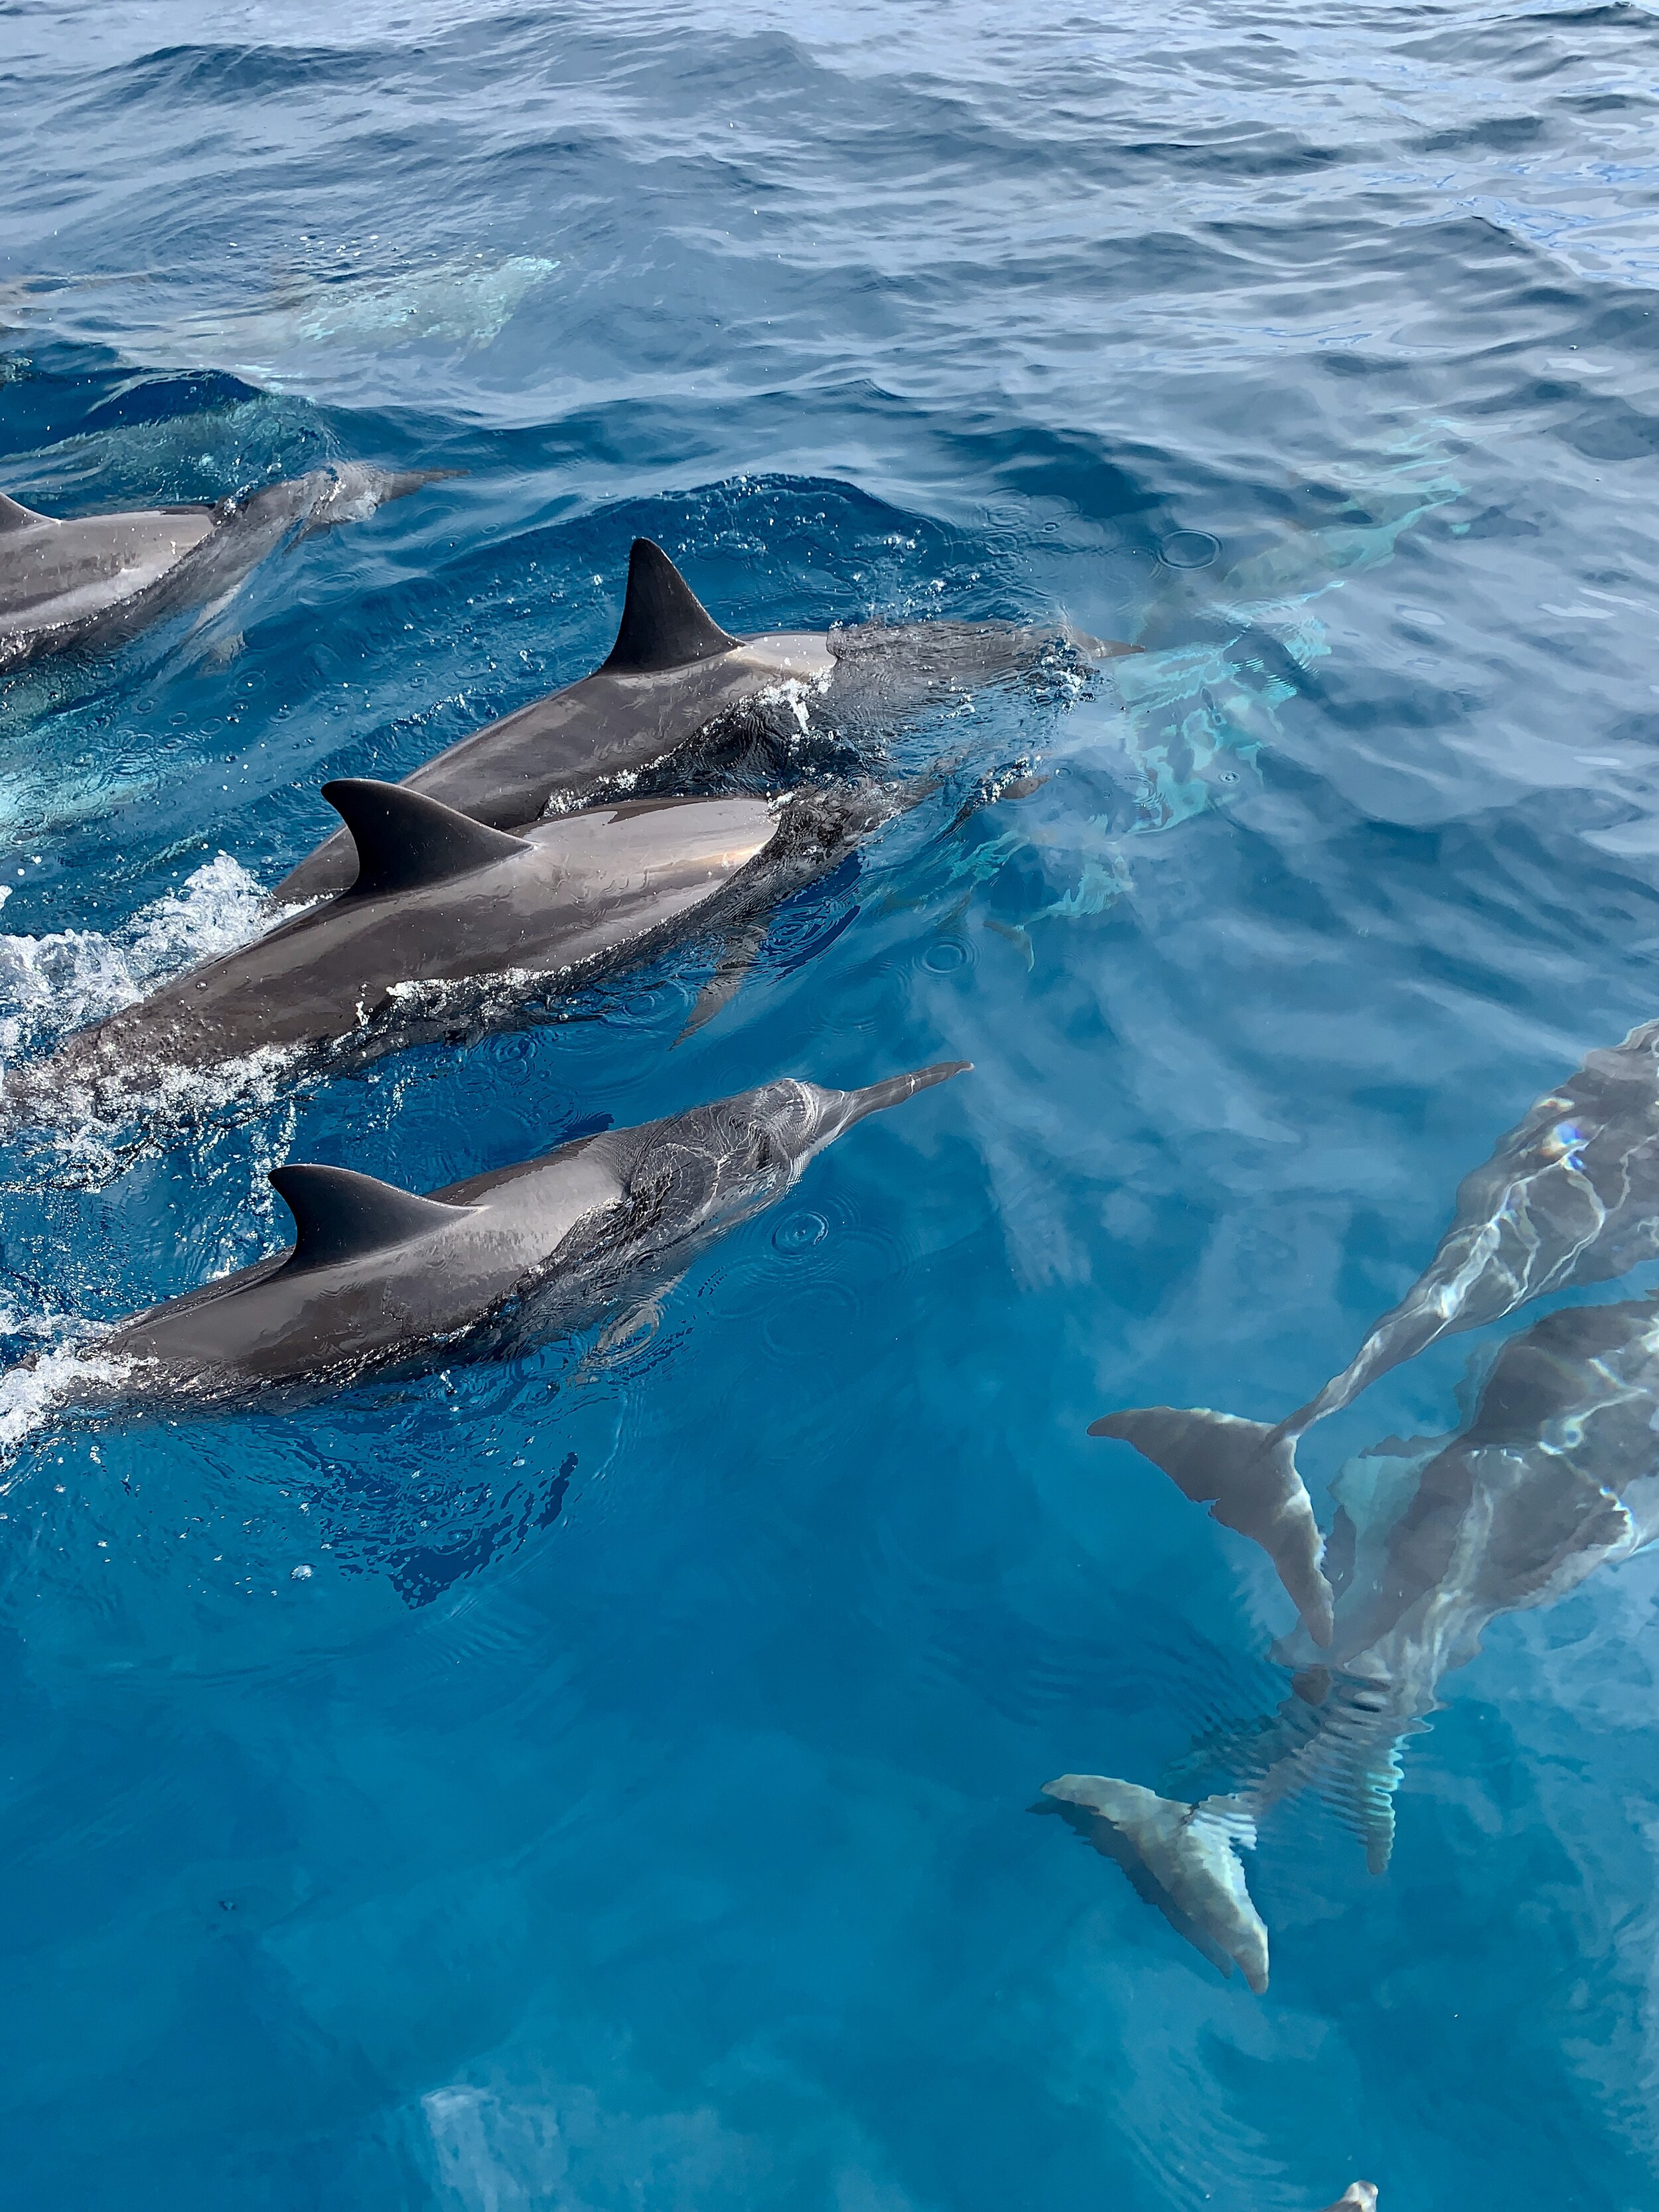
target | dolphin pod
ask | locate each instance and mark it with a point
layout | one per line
(1570, 1197)
(679, 698)
(94, 581)
(377, 1276)
(1554, 1474)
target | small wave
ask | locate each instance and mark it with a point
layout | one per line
(43, 1383)
(51, 985)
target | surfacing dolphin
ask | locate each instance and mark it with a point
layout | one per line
(450, 929)
(1555, 1474)
(682, 699)
(1570, 1196)
(94, 581)
(378, 1278)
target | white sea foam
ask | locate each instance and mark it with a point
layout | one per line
(36, 1389)
(51, 985)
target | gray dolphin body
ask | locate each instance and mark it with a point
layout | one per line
(378, 1277)
(1570, 1196)
(1556, 1474)
(450, 928)
(679, 696)
(94, 581)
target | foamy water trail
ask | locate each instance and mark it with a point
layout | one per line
(51, 985)
(35, 1391)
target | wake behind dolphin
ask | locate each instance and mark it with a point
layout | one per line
(94, 581)
(1570, 1196)
(681, 700)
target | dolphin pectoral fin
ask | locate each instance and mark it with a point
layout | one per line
(13, 516)
(738, 956)
(664, 623)
(1183, 1858)
(339, 1214)
(1246, 1472)
(404, 840)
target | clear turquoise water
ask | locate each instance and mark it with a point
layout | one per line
(631, 1808)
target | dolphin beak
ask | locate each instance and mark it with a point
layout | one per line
(875, 1097)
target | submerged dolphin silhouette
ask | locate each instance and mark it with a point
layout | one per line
(674, 679)
(450, 927)
(1555, 1474)
(377, 1276)
(1358, 2197)
(1570, 1196)
(96, 580)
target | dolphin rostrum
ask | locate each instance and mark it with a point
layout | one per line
(677, 693)
(378, 1277)
(97, 579)
(1570, 1196)
(450, 928)
(1555, 1474)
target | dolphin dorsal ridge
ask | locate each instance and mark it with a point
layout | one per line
(404, 840)
(14, 517)
(339, 1214)
(664, 624)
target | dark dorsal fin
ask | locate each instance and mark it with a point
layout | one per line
(404, 840)
(13, 517)
(339, 1214)
(664, 624)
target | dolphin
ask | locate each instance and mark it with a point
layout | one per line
(1555, 1474)
(1358, 2197)
(378, 1277)
(1570, 1196)
(95, 580)
(683, 699)
(449, 928)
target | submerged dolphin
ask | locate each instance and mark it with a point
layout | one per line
(96, 580)
(1358, 2197)
(1570, 1196)
(675, 684)
(378, 1277)
(450, 927)
(1556, 1474)
(1183, 1858)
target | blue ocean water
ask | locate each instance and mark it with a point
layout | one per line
(631, 1806)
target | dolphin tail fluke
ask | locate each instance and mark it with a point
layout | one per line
(1246, 1473)
(1183, 1858)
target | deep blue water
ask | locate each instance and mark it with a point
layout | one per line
(631, 1808)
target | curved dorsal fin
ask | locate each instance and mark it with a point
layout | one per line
(404, 840)
(339, 1214)
(14, 517)
(664, 623)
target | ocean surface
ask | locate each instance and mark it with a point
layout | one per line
(605, 1779)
